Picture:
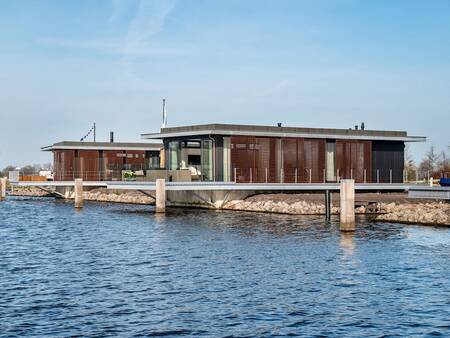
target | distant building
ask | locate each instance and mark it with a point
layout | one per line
(101, 161)
(248, 153)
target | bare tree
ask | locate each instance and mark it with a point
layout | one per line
(410, 166)
(6, 170)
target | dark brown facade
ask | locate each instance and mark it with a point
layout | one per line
(106, 163)
(250, 159)
(259, 154)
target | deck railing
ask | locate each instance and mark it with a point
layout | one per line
(271, 175)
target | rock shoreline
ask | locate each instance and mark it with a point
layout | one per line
(388, 208)
(95, 195)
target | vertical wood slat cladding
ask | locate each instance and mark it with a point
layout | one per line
(313, 160)
(388, 155)
(87, 165)
(242, 157)
(63, 165)
(135, 159)
(253, 156)
(290, 160)
(304, 156)
(112, 164)
(352, 158)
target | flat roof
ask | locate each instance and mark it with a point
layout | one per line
(272, 131)
(68, 145)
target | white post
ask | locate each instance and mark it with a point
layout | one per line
(351, 174)
(78, 189)
(365, 176)
(267, 176)
(430, 181)
(390, 176)
(337, 175)
(2, 188)
(324, 176)
(235, 175)
(310, 176)
(296, 175)
(282, 175)
(378, 175)
(251, 175)
(160, 195)
(347, 195)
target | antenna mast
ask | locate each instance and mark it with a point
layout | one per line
(164, 120)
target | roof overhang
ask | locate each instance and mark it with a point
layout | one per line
(112, 146)
(198, 133)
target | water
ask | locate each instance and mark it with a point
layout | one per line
(118, 270)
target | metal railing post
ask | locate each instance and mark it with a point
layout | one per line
(310, 176)
(365, 176)
(251, 175)
(296, 175)
(390, 176)
(281, 175)
(417, 176)
(337, 175)
(235, 175)
(351, 173)
(267, 176)
(324, 176)
(378, 176)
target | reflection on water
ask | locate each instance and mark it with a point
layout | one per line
(121, 270)
(347, 243)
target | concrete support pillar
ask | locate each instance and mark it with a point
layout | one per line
(160, 195)
(78, 193)
(2, 188)
(347, 205)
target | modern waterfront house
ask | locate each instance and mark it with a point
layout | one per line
(250, 153)
(101, 161)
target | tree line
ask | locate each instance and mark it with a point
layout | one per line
(434, 164)
(27, 170)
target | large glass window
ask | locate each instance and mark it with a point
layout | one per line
(173, 155)
(207, 160)
(330, 161)
(226, 159)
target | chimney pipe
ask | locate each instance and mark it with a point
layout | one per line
(111, 137)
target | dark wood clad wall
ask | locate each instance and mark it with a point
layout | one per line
(314, 160)
(63, 165)
(388, 155)
(353, 158)
(254, 158)
(135, 159)
(242, 157)
(94, 165)
(87, 165)
(112, 164)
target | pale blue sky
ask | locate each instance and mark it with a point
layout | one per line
(67, 64)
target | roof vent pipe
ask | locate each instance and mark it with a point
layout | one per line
(356, 127)
(111, 137)
(279, 124)
(363, 126)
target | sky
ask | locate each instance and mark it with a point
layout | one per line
(67, 64)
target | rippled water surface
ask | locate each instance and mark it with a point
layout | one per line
(120, 270)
